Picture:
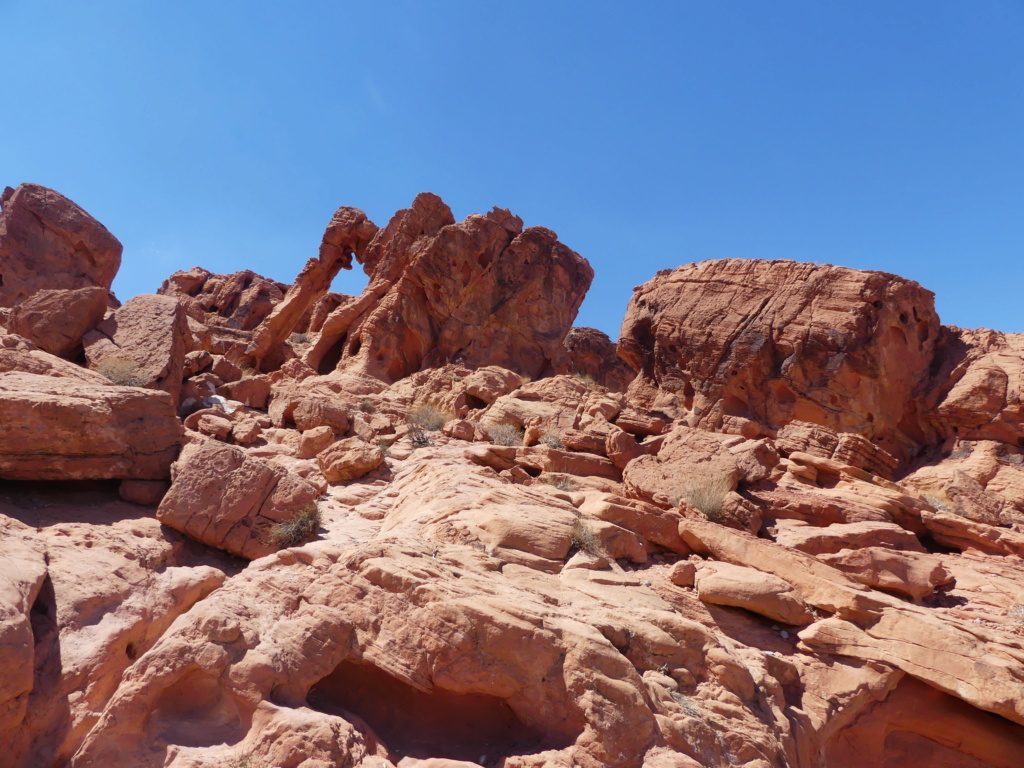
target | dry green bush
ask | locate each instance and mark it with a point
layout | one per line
(429, 417)
(584, 538)
(300, 529)
(708, 495)
(299, 338)
(123, 371)
(366, 405)
(505, 434)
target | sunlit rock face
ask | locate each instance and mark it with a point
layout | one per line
(434, 526)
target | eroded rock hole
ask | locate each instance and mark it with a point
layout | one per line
(332, 356)
(411, 723)
(197, 711)
(475, 403)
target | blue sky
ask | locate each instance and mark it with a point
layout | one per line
(877, 135)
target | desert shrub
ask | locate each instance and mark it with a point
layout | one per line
(938, 502)
(123, 371)
(429, 417)
(1016, 613)
(366, 405)
(300, 529)
(505, 434)
(561, 483)
(385, 446)
(552, 440)
(418, 437)
(584, 538)
(708, 495)
(299, 338)
(589, 381)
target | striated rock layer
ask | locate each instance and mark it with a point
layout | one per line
(434, 526)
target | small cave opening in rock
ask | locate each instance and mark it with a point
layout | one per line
(330, 359)
(411, 723)
(475, 403)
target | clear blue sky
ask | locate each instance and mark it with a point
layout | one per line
(878, 135)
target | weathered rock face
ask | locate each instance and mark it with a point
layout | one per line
(54, 428)
(481, 292)
(466, 567)
(223, 498)
(979, 386)
(145, 339)
(592, 354)
(48, 242)
(241, 300)
(347, 235)
(778, 341)
(57, 320)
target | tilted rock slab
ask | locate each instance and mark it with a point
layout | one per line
(55, 428)
(149, 332)
(226, 499)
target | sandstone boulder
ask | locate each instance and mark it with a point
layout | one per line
(146, 339)
(740, 587)
(64, 429)
(241, 300)
(777, 341)
(48, 242)
(978, 391)
(913, 574)
(349, 459)
(348, 234)
(19, 354)
(57, 320)
(853, 536)
(223, 498)
(590, 353)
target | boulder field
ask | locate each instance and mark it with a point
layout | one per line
(778, 524)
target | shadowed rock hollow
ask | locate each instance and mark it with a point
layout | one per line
(778, 524)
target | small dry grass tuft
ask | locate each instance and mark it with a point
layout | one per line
(584, 538)
(708, 495)
(366, 405)
(589, 381)
(505, 434)
(552, 440)
(429, 417)
(561, 483)
(300, 529)
(123, 371)
(1016, 614)
(300, 338)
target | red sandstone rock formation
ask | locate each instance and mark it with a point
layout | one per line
(723, 343)
(481, 292)
(241, 300)
(48, 242)
(797, 542)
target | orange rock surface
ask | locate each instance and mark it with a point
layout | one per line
(790, 534)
